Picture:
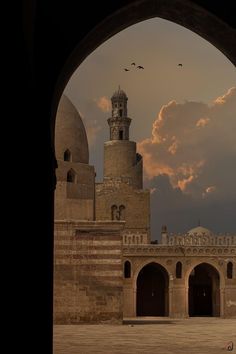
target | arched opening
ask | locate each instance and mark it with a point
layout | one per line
(67, 155)
(127, 269)
(113, 212)
(204, 291)
(229, 270)
(71, 176)
(178, 270)
(153, 291)
(52, 26)
(122, 212)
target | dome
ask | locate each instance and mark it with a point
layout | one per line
(199, 231)
(119, 94)
(70, 133)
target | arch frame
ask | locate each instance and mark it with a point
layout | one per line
(221, 282)
(135, 278)
(188, 14)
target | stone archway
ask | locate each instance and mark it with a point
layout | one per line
(152, 291)
(204, 291)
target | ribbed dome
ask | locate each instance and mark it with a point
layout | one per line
(199, 231)
(70, 133)
(119, 94)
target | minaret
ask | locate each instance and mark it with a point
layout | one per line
(119, 122)
(121, 161)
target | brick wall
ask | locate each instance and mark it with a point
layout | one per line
(88, 272)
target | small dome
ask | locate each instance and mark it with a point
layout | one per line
(199, 231)
(119, 94)
(70, 134)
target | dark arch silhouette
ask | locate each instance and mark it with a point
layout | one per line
(229, 270)
(178, 270)
(153, 291)
(204, 291)
(127, 269)
(67, 155)
(71, 176)
(50, 33)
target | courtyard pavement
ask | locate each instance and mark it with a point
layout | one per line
(202, 335)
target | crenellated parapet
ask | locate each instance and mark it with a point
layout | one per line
(200, 240)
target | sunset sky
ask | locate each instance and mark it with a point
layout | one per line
(183, 120)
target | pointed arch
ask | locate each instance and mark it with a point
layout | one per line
(204, 297)
(127, 269)
(152, 296)
(113, 212)
(229, 270)
(71, 176)
(67, 155)
(122, 212)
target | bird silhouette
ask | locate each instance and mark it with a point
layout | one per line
(140, 67)
(180, 64)
(133, 64)
(126, 69)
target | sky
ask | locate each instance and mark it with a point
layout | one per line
(183, 120)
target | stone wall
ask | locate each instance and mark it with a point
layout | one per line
(88, 272)
(190, 257)
(74, 200)
(136, 203)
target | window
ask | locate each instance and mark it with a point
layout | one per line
(229, 270)
(67, 155)
(121, 112)
(114, 212)
(179, 270)
(71, 176)
(127, 269)
(121, 135)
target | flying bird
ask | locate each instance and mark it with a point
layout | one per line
(180, 64)
(140, 67)
(133, 64)
(126, 69)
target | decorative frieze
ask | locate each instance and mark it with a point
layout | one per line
(177, 251)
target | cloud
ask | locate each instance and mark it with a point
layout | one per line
(103, 103)
(180, 211)
(202, 122)
(208, 190)
(193, 143)
(230, 95)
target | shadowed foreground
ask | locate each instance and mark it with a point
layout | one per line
(154, 335)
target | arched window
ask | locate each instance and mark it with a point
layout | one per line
(127, 269)
(120, 134)
(114, 212)
(71, 176)
(178, 270)
(229, 270)
(67, 155)
(122, 212)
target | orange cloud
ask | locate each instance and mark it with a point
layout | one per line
(182, 184)
(224, 98)
(202, 122)
(177, 149)
(208, 190)
(174, 146)
(103, 103)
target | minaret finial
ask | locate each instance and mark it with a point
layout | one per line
(119, 88)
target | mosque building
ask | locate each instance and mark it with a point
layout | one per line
(105, 266)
